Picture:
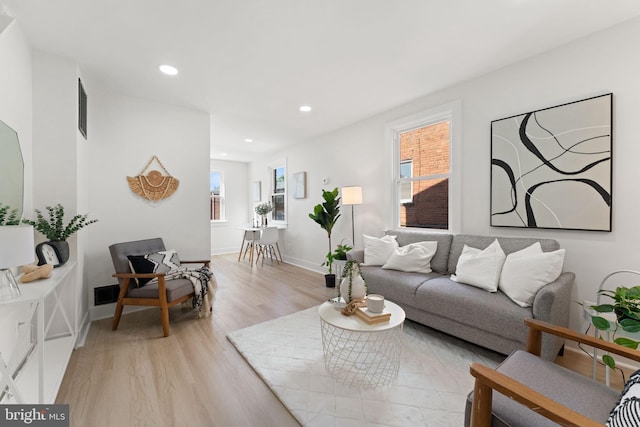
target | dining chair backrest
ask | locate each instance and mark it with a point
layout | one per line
(269, 236)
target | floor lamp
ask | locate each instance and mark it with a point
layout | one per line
(352, 196)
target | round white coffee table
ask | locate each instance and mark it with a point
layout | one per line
(359, 354)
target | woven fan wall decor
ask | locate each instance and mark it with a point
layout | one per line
(154, 185)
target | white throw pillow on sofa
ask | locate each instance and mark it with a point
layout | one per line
(525, 272)
(412, 258)
(378, 250)
(480, 268)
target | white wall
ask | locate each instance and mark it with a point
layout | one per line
(358, 155)
(225, 236)
(125, 133)
(16, 111)
(59, 150)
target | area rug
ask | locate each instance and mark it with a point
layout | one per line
(431, 388)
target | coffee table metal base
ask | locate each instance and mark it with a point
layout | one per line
(365, 359)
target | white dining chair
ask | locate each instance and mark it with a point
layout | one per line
(268, 245)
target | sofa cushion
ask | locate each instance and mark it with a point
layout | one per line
(472, 306)
(176, 288)
(394, 285)
(378, 250)
(579, 393)
(526, 271)
(412, 258)
(508, 245)
(405, 236)
(480, 268)
(156, 262)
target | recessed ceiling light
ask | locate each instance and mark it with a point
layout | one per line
(168, 70)
(223, 154)
(305, 108)
(248, 140)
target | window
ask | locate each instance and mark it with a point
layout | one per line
(216, 188)
(406, 187)
(422, 169)
(278, 193)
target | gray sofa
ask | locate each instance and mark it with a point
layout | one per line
(489, 319)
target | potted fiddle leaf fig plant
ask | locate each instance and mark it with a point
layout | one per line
(626, 306)
(56, 231)
(326, 214)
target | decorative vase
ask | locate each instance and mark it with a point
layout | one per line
(63, 250)
(264, 221)
(358, 289)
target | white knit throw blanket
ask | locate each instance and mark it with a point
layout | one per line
(204, 284)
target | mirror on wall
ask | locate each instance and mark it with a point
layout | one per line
(11, 169)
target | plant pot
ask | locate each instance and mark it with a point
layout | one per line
(330, 280)
(63, 251)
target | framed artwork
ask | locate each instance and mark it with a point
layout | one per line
(299, 185)
(256, 189)
(551, 168)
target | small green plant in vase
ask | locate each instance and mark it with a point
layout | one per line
(626, 306)
(55, 229)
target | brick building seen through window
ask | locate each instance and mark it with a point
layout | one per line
(424, 177)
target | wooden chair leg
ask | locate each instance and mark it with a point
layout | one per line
(241, 248)
(164, 307)
(117, 315)
(481, 406)
(278, 248)
(119, 307)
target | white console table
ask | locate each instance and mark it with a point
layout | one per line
(34, 372)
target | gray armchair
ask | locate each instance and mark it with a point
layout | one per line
(527, 391)
(163, 293)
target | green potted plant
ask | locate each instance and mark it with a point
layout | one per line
(8, 216)
(340, 257)
(263, 209)
(626, 306)
(55, 229)
(326, 214)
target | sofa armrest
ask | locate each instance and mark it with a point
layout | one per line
(552, 304)
(356, 255)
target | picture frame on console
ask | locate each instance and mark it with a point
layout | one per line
(552, 168)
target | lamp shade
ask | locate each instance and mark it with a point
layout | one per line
(351, 195)
(16, 245)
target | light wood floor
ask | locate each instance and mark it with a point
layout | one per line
(194, 377)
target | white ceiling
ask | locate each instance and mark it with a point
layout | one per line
(252, 63)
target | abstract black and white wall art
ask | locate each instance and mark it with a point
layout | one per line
(551, 168)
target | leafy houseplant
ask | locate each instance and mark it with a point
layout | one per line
(341, 252)
(626, 306)
(326, 214)
(55, 230)
(263, 209)
(8, 216)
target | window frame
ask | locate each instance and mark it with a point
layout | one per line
(221, 197)
(273, 166)
(450, 112)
